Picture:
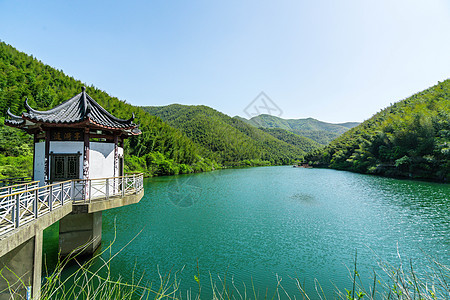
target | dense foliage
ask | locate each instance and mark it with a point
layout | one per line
(199, 139)
(411, 138)
(318, 131)
(161, 149)
(16, 152)
(231, 141)
(302, 142)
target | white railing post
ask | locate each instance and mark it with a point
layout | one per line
(62, 193)
(50, 198)
(35, 203)
(72, 190)
(90, 189)
(138, 183)
(107, 188)
(85, 191)
(123, 186)
(17, 211)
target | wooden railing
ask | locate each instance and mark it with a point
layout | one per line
(87, 190)
(18, 187)
(24, 203)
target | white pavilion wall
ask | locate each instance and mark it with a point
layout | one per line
(101, 165)
(67, 147)
(39, 162)
(56, 147)
(101, 160)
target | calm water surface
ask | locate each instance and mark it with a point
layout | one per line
(259, 223)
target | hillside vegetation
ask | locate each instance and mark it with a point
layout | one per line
(192, 140)
(411, 139)
(232, 141)
(294, 139)
(160, 149)
(318, 131)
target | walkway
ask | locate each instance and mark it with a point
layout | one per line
(23, 203)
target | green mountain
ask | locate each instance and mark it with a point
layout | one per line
(198, 139)
(161, 149)
(294, 139)
(410, 138)
(231, 140)
(318, 131)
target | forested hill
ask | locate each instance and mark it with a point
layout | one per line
(161, 149)
(318, 131)
(201, 139)
(294, 139)
(231, 140)
(410, 138)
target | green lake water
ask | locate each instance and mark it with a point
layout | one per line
(260, 224)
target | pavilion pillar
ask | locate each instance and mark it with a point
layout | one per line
(86, 163)
(116, 163)
(116, 155)
(86, 154)
(35, 139)
(47, 158)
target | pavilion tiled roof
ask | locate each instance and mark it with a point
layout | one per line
(79, 109)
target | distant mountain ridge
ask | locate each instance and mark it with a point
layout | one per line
(318, 131)
(349, 125)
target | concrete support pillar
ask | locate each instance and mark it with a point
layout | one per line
(21, 270)
(37, 271)
(81, 231)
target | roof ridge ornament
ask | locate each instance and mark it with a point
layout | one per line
(86, 107)
(27, 106)
(132, 118)
(13, 116)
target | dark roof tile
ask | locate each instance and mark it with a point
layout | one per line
(75, 110)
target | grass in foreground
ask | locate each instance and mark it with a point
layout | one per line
(400, 282)
(91, 281)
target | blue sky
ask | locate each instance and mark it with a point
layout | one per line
(332, 60)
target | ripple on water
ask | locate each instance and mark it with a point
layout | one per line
(305, 199)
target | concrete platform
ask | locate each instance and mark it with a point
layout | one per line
(104, 204)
